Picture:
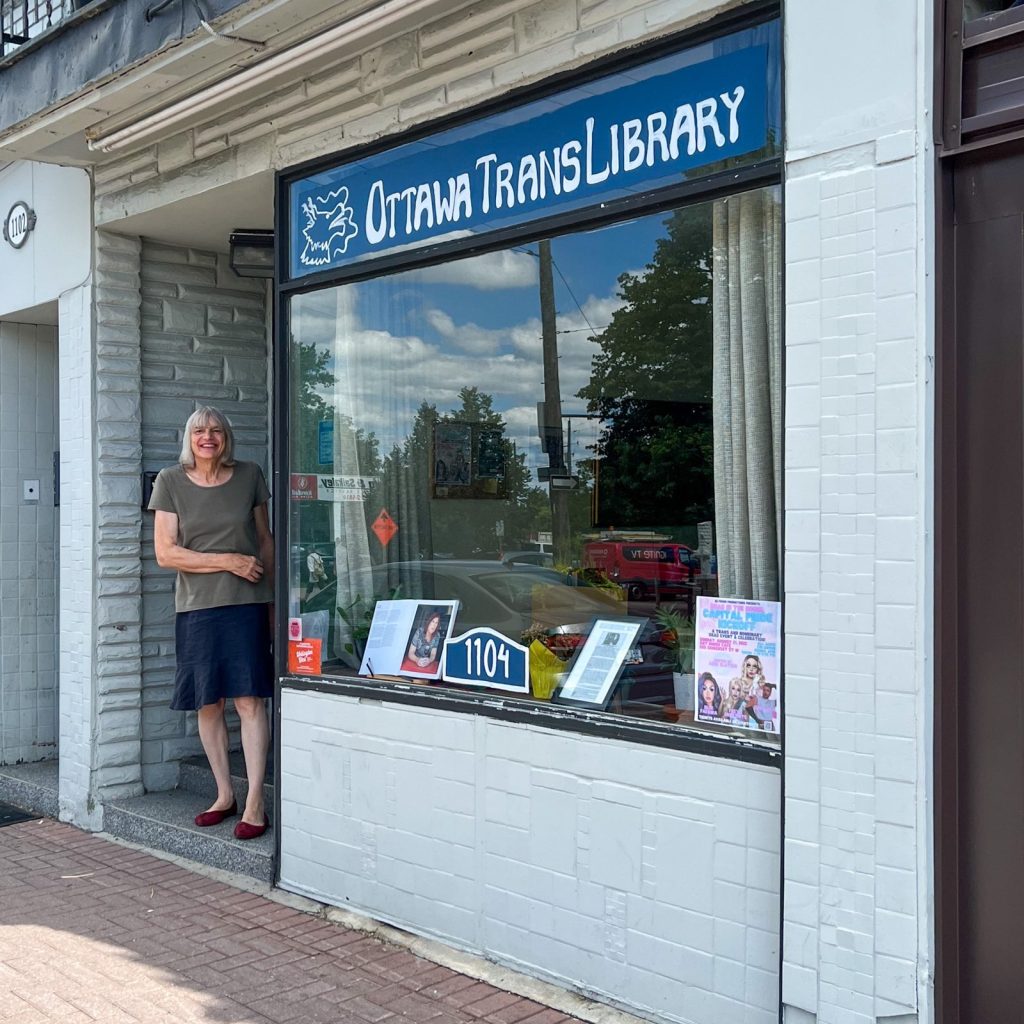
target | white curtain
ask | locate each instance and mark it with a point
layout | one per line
(747, 394)
(351, 542)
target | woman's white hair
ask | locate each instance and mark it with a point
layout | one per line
(203, 417)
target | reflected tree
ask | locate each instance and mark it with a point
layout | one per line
(451, 526)
(651, 386)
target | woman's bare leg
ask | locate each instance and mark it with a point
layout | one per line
(255, 742)
(214, 735)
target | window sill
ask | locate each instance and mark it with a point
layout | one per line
(730, 747)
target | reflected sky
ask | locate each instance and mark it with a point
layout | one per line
(424, 334)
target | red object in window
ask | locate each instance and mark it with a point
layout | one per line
(303, 487)
(565, 645)
(385, 527)
(304, 657)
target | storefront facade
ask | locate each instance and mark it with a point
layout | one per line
(564, 344)
(494, 749)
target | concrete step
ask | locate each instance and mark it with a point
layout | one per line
(195, 777)
(164, 821)
(33, 787)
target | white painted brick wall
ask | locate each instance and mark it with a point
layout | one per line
(855, 859)
(28, 539)
(204, 342)
(646, 876)
(77, 517)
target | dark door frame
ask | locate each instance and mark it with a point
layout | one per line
(956, 807)
(946, 736)
(967, 126)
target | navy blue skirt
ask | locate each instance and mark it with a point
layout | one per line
(222, 652)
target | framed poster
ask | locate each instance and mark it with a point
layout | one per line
(407, 638)
(598, 664)
(736, 662)
(453, 459)
(468, 460)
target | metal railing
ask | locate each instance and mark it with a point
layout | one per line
(22, 20)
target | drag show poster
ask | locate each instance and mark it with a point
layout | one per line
(737, 681)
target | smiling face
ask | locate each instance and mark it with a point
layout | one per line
(734, 689)
(432, 623)
(707, 692)
(207, 441)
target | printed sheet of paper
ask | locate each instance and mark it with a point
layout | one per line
(597, 666)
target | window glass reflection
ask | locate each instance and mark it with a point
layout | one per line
(974, 9)
(537, 433)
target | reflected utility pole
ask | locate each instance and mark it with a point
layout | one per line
(553, 441)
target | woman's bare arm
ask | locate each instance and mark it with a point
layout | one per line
(264, 538)
(171, 555)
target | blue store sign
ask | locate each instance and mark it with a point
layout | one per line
(622, 135)
(484, 657)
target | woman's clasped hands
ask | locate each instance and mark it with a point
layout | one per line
(248, 567)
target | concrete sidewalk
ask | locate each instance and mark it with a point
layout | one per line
(92, 931)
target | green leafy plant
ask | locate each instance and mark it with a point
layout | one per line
(358, 615)
(680, 630)
(597, 578)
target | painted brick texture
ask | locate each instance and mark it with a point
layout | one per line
(608, 867)
(28, 544)
(117, 496)
(854, 539)
(467, 53)
(77, 570)
(204, 342)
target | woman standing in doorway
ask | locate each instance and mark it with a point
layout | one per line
(213, 527)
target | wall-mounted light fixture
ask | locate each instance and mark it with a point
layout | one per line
(252, 252)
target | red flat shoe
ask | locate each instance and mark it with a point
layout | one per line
(208, 818)
(243, 830)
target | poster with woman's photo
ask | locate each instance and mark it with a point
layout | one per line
(407, 638)
(737, 680)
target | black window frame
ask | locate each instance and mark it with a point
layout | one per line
(715, 185)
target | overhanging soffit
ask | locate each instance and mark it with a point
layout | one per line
(225, 63)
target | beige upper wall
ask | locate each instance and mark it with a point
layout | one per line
(451, 62)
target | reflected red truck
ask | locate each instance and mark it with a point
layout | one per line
(644, 568)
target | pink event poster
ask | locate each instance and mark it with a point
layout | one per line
(737, 679)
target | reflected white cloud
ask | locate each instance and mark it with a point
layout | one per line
(510, 268)
(383, 378)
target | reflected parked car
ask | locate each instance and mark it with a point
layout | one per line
(526, 602)
(541, 558)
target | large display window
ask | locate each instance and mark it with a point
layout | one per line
(551, 469)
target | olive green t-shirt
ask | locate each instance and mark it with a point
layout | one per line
(215, 520)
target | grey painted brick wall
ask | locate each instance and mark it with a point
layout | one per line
(204, 342)
(118, 518)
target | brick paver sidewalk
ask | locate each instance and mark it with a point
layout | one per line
(92, 931)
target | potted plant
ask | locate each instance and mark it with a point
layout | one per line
(679, 638)
(357, 617)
